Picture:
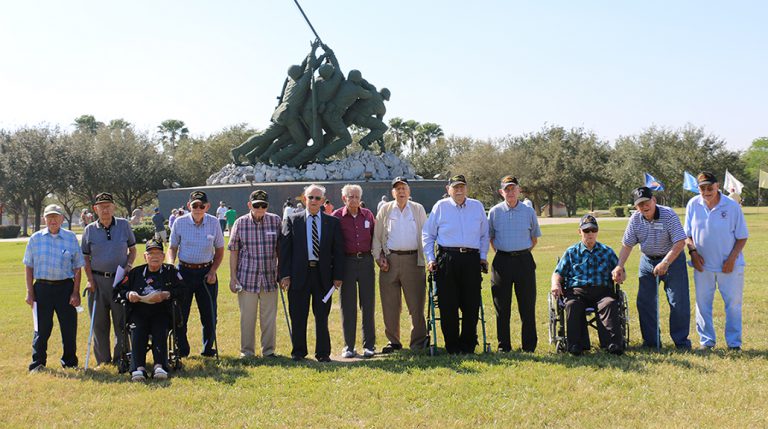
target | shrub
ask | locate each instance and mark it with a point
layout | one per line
(617, 211)
(143, 232)
(9, 231)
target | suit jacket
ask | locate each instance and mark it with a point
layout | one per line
(294, 259)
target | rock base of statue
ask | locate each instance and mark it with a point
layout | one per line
(363, 165)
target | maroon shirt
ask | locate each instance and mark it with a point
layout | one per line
(357, 231)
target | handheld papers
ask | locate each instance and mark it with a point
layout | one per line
(119, 274)
(329, 294)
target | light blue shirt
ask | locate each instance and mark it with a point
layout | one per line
(714, 232)
(309, 232)
(512, 228)
(197, 243)
(53, 257)
(451, 225)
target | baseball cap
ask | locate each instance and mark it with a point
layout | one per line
(641, 194)
(198, 196)
(457, 180)
(508, 180)
(103, 197)
(260, 196)
(706, 178)
(399, 179)
(587, 221)
(53, 209)
(154, 244)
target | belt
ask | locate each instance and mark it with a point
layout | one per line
(458, 249)
(103, 274)
(403, 252)
(358, 255)
(655, 257)
(54, 282)
(514, 253)
(195, 266)
(313, 264)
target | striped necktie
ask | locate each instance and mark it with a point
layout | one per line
(315, 238)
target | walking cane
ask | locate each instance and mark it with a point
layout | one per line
(285, 310)
(90, 335)
(658, 316)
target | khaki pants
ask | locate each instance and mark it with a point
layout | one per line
(407, 276)
(251, 304)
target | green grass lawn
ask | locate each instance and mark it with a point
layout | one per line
(639, 389)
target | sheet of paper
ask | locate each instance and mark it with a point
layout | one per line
(119, 274)
(329, 294)
(34, 314)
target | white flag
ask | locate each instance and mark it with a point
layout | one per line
(732, 185)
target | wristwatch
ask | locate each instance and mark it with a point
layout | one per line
(691, 251)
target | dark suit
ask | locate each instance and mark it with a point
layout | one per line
(308, 281)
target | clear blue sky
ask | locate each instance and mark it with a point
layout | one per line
(482, 69)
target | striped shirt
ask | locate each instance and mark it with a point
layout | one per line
(581, 267)
(512, 228)
(53, 256)
(451, 225)
(656, 236)
(256, 243)
(196, 243)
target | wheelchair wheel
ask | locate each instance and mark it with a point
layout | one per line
(556, 325)
(624, 314)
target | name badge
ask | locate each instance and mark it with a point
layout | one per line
(271, 233)
(367, 224)
(658, 227)
(210, 237)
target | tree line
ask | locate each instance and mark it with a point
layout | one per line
(44, 163)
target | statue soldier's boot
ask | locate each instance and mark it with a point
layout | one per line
(234, 154)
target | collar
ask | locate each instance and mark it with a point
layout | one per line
(719, 203)
(508, 208)
(460, 206)
(344, 211)
(99, 225)
(144, 274)
(583, 248)
(656, 215)
(309, 215)
(45, 231)
(253, 219)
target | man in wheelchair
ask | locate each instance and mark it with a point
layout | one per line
(583, 278)
(148, 291)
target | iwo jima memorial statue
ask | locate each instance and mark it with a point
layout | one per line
(317, 105)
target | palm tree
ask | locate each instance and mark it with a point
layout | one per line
(428, 132)
(172, 130)
(87, 124)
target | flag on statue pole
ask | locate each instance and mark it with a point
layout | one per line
(732, 185)
(763, 183)
(690, 183)
(652, 183)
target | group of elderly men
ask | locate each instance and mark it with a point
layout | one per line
(310, 254)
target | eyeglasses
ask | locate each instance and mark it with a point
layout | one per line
(313, 197)
(259, 205)
(589, 231)
(198, 206)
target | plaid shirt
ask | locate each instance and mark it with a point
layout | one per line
(257, 244)
(581, 267)
(53, 257)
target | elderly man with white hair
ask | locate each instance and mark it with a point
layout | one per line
(357, 229)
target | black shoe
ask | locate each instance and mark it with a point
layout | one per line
(297, 358)
(324, 359)
(389, 348)
(576, 350)
(209, 353)
(505, 349)
(734, 349)
(615, 349)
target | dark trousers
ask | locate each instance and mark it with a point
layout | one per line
(676, 287)
(206, 296)
(358, 275)
(149, 321)
(577, 300)
(518, 272)
(105, 306)
(458, 288)
(52, 298)
(298, 307)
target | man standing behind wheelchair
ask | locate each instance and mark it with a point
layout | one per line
(583, 277)
(148, 289)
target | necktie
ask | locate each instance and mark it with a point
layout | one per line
(315, 238)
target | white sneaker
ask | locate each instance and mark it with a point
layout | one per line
(138, 375)
(367, 353)
(39, 368)
(348, 354)
(160, 373)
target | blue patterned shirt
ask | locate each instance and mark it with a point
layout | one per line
(53, 256)
(512, 228)
(581, 267)
(197, 243)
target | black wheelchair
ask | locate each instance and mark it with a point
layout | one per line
(174, 357)
(557, 325)
(433, 317)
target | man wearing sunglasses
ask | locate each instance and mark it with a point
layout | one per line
(106, 244)
(253, 273)
(197, 240)
(583, 277)
(716, 234)
(311, 250)
(661, 237)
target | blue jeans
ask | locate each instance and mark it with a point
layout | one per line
(676, 287)
(206, 296)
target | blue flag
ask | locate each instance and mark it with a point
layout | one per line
(690, 183)
(652, 183)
